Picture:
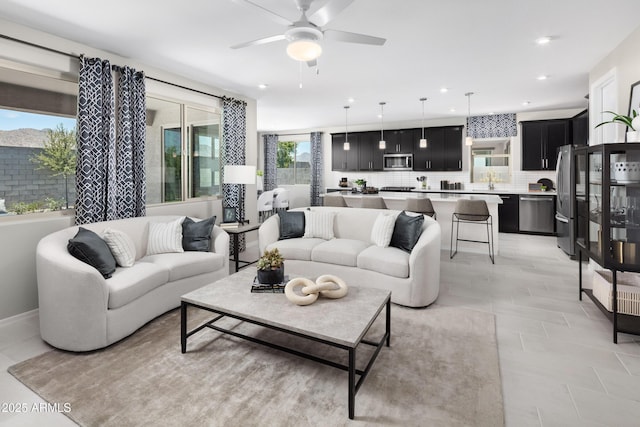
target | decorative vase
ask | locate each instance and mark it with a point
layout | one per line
(271, 277)
(633, 136)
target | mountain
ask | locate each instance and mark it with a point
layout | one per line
(23, 138)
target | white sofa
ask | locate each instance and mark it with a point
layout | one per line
(81, 311)
(413, 278)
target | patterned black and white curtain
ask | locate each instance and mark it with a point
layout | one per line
(234, 124)
(317, 168)
(96, 140)
(493, 126)
(131, 133)
(110, 172)
(270, 161)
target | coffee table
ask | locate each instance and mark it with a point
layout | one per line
(341, 323)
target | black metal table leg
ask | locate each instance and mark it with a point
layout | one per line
(352, 382)
(183, 327)
(236, 255)
(580, 274)
(388, 329)
(614, 284)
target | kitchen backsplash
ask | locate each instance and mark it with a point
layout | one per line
(519, 179)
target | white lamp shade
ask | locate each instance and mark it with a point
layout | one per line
(468, 141)
(346, 146)
(423, 143)
(382, 144)
(239, 174)
(304, 50)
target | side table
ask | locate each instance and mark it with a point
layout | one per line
(236, 232)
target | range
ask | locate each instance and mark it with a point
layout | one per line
(398, 189)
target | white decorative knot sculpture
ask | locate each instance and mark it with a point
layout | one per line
(324, 285)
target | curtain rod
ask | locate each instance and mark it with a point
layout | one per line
(71, 55)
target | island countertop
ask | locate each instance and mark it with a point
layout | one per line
(434, 197)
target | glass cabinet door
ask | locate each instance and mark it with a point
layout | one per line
(624, 196)
(595, 173)
(582, 204)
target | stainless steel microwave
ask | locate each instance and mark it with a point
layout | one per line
(397, 162)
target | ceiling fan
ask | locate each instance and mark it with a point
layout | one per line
(305, 34)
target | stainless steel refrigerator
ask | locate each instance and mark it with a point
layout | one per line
(565, 204)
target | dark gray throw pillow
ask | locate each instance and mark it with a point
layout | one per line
(88, 247)
(196, 236)
(406, 231)
(291, 225)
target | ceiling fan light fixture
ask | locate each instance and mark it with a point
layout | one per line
(304, 50)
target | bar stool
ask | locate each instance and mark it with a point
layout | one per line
(472, 211)
(265, 205)
(420, 205)
(373, 202)
(280, 199)
(337, 200)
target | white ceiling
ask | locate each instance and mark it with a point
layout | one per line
(483, 46)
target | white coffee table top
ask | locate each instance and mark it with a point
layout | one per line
(341, 321)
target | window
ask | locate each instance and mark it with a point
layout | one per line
(182, 151)
(293, 162)
(37, 142)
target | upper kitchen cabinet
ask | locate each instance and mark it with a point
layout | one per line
(369, 153)
(399, 141)
(580, 128)
(341, 159)
(443, 152)
(540, 142)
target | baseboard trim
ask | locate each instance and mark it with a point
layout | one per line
(18, 317)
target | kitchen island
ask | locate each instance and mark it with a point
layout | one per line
(444, 205)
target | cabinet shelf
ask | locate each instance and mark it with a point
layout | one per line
(627, 323)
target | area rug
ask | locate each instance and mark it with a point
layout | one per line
(442, 369)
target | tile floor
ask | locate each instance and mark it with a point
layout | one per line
(559, 366)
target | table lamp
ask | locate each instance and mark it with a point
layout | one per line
(240, 174)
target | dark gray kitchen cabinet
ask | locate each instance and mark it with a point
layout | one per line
(443, 151)
(369, 153)
(540, 142)
(399, 141)
(341, 159)
(508, 214)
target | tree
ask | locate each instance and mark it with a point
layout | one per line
(59, 155)
(286, 154)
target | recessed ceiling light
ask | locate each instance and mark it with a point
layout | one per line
(351, 100)
(525, 103)
(452, 110)
(543, 40)
(491, 113)
(444, 90)
(263, 86)
(542, 77)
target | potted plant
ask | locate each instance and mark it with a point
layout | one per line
(271, 267)
(632, 122)
(423, 181)
(362, 183)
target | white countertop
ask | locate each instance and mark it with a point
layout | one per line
(435, 197)
(471, 191)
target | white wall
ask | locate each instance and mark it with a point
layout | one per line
(624, 62)
(20, 235)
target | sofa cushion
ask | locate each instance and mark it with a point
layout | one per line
(165, 237)
(299, 249)
(407, 231)
(121, 245)
(382, 229)
(127, 284)
(196, 235)
(89, 248)
(187, 264)
(318, 224)
(339, 251)
(291, 225)
(390, 261)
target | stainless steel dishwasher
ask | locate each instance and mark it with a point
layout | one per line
(537, 214)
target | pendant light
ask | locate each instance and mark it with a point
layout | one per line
(382, 144)
(468, 141)
(423, 140)
(346, 146)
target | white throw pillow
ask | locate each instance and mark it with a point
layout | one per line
(3, 208)
(121, 246)
(318, 224)
(165, 237)
(382, 229)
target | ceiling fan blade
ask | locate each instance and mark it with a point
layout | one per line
(329, 11)
(259, 41)
(344, 36)
(271, 15)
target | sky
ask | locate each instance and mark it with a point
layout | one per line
(12, 120)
